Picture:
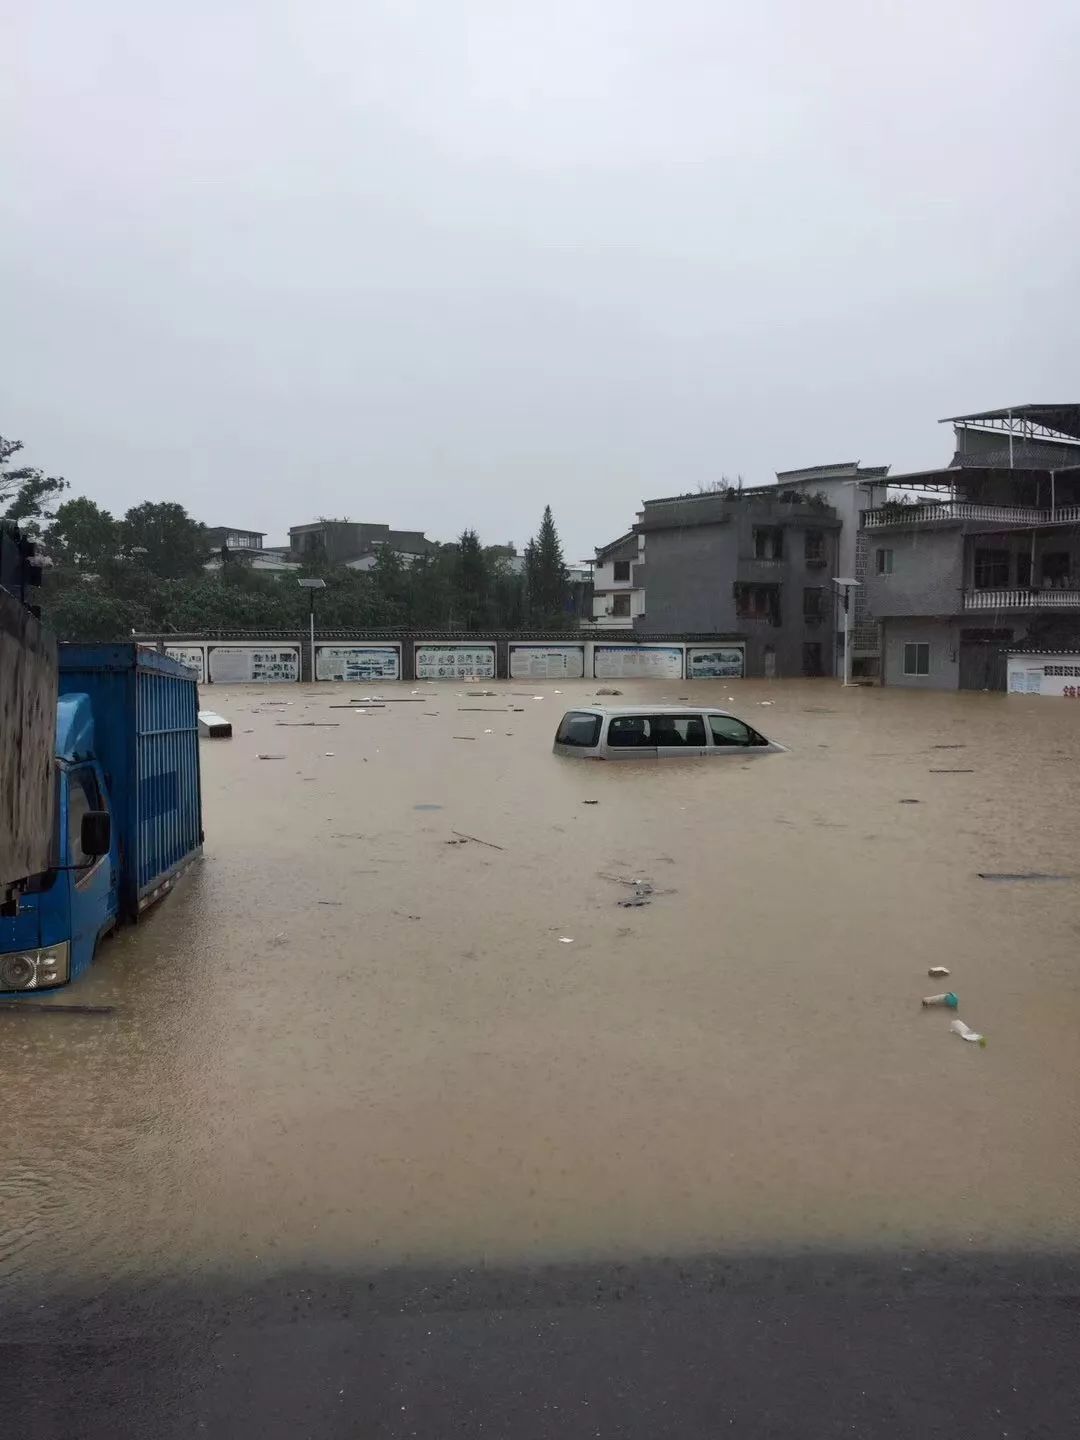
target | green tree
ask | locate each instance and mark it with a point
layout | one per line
(82, 535)
(85, 611)
(25, 491)
(547, 577)
(470, 584)
(430, 587)
(507, 588)
(164, 539)
(390, 581)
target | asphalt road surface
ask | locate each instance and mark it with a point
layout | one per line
(830, 1346)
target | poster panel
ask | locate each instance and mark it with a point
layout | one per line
(193, 656)
(1045, 675)
(547, 662)
(715, 662)
(475, 661)
(357, 662)
(637, 662)
(255, 664)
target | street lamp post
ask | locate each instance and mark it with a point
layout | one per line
(846, 585)
(311, 586)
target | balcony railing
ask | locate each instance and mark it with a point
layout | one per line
(888, 515)
(1017, 599)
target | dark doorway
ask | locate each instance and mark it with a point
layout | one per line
(982, 659)
(811, 658)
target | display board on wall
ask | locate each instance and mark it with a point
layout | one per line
(547, 662)
(455, 662)
(637, 662)
(357, 662)
(1045, 675)
(715, 662)
(255, 664)
(193, 656)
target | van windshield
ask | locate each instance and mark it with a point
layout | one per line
(578, 728)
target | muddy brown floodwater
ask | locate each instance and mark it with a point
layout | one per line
(345, 1039)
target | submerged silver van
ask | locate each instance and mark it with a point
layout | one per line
(656, 732)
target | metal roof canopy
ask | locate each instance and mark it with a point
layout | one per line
(1049, 420)
(950, 477)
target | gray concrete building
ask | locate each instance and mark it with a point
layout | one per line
(993, 561)
(353, 543)
(750, 565)
(849, 488)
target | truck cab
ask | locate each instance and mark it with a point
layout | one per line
(128, 810)
(66, 910)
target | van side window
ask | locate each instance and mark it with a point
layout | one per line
(577, 728)
(628, 731)
(677, 730)
(83, 796)
(726, 730)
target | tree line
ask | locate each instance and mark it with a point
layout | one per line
(107, 576)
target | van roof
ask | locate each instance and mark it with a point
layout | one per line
(646, 709)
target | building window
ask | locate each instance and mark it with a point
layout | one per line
(620, 604)
(1023, 570)
(917, 659)
(884, 562)
(768, 543)
(813, 603)
(811, 658)
(1055, 569)
(758, 602)
(814, 541)
(621, 569)
(991, 569)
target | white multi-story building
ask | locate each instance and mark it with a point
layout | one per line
(618, 584)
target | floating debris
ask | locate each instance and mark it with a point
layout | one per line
(966, 1033)
(949, 1000)
(213, 726)
(269, 757)
(475, 839)
(936, 971)
(1021, 875)
(39, 1008)
(566, 939)
(952, 772)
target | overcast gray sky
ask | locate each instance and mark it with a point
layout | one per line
(438, 262)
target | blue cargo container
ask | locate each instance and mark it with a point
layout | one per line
(129, 809)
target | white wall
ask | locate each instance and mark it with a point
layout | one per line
(1056, 675)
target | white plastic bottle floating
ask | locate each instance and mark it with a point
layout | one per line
(966, 1033)
(948, 999)
(937, 970)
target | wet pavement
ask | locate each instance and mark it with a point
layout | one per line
(347, 1048)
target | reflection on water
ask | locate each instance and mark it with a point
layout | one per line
(346, 1039)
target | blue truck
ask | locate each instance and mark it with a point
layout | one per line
(128, 810)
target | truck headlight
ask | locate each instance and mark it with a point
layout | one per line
(35, 969)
